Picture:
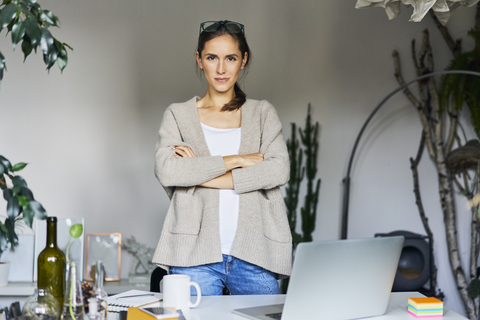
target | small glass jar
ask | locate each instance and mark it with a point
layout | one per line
(41, 306)
(73, 308)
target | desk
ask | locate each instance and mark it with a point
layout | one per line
(20, 291)
(220, 307)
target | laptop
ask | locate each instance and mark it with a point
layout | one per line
(337, 280)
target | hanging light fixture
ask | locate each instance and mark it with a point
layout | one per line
(443, 9)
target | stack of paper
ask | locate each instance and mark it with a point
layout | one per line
(131, 298)
(425, 307)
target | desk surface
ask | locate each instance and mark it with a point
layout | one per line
(220, 307)
(26, 289)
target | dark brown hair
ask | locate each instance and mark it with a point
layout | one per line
(240, 96)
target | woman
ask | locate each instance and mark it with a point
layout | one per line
(221, 160)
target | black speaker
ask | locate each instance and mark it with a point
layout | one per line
(415, 264)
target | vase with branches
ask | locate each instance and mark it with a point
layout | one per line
(438, 108)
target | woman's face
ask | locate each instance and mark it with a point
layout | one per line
(221, 62)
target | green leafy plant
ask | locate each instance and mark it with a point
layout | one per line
(309, 139)
(75, 231)
(292, 189)
(464, 89)
(29, 24)
(21, 204)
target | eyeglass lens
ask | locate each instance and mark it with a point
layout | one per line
(213, 26)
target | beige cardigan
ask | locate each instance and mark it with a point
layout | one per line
(190, 234)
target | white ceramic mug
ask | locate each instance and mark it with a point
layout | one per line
(176, 292)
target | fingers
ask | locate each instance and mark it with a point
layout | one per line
(182, 151)
(251, 159)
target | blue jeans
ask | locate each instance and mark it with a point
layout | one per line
(237, 276)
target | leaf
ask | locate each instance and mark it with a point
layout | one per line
(16, 190)
(23, 201)
(18, 181)
(18, 31)
(48, 18)
(3, 237)
(2, 227)
(11, 235)
(49, 48)
(7, 14)
(36, 9)
(28, 215)
(19, 166)
(32, 29)
(37, 209)
(29, 2)
(26, 10)
(62, 59)
(474, 288)
(3, 66)
(13, 208)
(7, 194)
(76, 230)
(6, 163)
(24, 191)
(68, 46)
(1, 72)
(26, 47)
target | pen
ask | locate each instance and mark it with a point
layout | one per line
(138, 295)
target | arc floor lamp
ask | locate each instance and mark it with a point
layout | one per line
(347, 179)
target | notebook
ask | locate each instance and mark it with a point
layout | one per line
(131, 298)
(337, 280)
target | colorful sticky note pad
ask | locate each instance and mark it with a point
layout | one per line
(425, 307)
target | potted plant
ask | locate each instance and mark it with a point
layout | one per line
(29, 26)
(21, 205)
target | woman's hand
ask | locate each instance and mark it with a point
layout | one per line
(251, 159)
(242, 161)
(182, 151)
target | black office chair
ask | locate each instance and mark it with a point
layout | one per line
(155, 278)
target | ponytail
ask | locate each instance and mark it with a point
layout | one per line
(237, 101)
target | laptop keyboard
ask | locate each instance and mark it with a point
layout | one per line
(277, 316)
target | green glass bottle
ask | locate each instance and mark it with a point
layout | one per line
(51, 264)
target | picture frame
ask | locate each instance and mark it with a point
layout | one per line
(106, 247)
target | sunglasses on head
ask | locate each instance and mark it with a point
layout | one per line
(230, 26)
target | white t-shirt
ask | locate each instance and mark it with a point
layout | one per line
(225, 142)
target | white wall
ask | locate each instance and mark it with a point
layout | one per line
(89, 134)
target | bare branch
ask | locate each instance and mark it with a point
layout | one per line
(474, 235)
(477, 26)
(453, 115)
(455, 46)
(435, 110)
(461, 188)
(414, 101)
(401, 81)
(418, 71)
(419, 203)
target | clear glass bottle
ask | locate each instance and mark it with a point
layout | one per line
(51, 264)
(41, 305)
(73, 308)
(99, 292)
(93, 313)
